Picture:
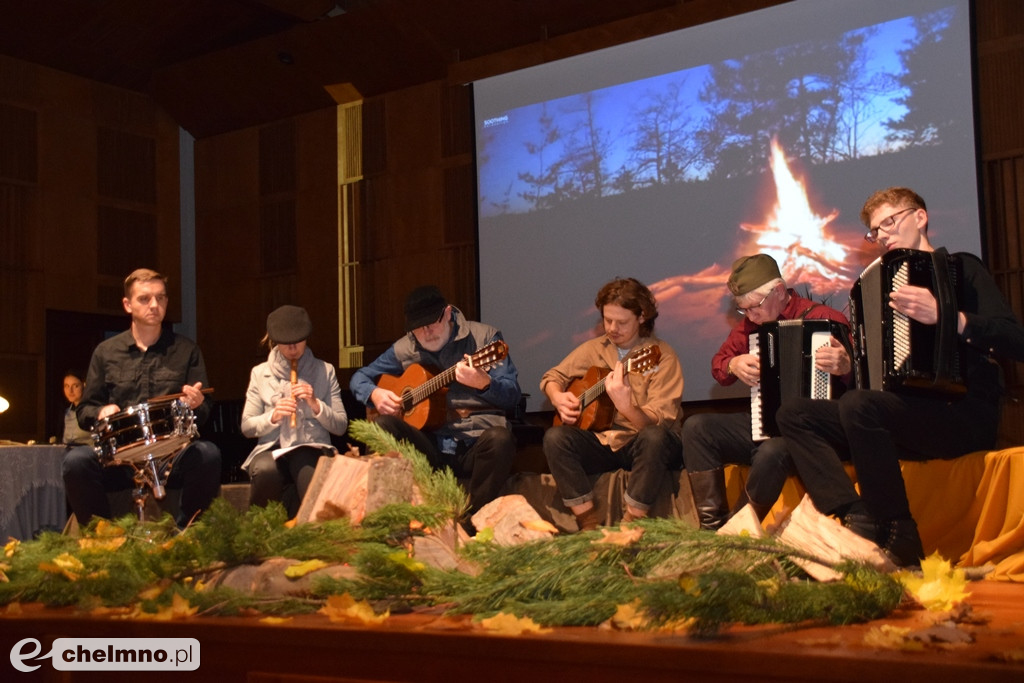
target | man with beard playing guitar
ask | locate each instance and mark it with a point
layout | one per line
(642, 432)
(458, 416)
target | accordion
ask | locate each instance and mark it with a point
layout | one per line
(787, 351)
(895, 352)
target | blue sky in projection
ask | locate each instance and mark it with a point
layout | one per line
(507, 139)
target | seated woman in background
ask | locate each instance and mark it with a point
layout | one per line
(292, 406)
(73, 389)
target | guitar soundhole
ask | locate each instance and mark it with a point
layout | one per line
(407, 400)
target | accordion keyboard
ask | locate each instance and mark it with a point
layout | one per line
(900, 321)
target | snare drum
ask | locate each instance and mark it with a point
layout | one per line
(157, 429)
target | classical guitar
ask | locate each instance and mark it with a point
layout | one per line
(424, 393)
(596, 407)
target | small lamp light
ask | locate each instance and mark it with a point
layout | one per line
(4, 404)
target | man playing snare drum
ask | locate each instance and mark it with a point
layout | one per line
(126, 371)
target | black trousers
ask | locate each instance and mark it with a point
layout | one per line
(711, 440)
(875, 430)
(196, 471)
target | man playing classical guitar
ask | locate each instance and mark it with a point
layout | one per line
(643, 434)
(474, 439)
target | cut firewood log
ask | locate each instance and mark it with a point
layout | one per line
(823, 537)
(513, 521)
(269, 579)
(344, 486)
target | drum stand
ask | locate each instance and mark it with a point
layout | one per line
(147, 478)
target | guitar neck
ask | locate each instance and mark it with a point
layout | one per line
(592, 393)
(431, 386)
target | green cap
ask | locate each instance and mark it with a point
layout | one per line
(750, 272)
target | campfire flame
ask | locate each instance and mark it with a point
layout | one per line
(797, 237)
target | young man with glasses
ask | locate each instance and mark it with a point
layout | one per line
(712, 440)
(475, 439)
(876, 429)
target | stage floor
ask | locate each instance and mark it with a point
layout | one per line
(429, 647)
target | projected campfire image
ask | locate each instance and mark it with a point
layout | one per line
(811, 255)
(668, 158)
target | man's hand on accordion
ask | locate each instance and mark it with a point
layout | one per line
(833, 358)
(915, 302)
(747, 368)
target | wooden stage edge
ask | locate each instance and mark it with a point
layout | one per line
(427, 647)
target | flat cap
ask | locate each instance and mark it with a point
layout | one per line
(289, 325)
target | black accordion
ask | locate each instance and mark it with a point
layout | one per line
(894, 352)
(787, 349)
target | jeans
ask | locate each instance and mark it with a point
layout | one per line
(573, 454)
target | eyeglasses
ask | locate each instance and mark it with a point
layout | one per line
(888, 225)
(744, 311)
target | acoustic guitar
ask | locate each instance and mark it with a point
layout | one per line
(424, 393)
(596, 408)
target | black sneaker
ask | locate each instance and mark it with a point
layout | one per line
(862, 525)
(903, 543)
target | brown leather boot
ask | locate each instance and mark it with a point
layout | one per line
(589, 520)
(708, 489)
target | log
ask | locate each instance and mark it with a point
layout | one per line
(352, 487)
(823, 537)
(513, 521)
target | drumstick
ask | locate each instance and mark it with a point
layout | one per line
(171, 397)
(295, 380)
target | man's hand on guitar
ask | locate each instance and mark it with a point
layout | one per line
(467, 375)
(386, 402)
(616, 385)
(567, 405)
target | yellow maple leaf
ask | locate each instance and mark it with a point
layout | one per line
(108, 544)
(891, 637)
(939, 588)
(511, 625)
(11, 547)
(345, 608)
(275, 621)
(624, 536)
(629, 617)
(105, 529)
(540, 525)
(401, 557)
(178, 609)
(297, 571)
(66, 564)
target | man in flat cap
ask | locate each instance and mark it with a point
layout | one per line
(711, 440)
(472, 435)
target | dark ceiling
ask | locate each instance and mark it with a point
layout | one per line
(220, 65)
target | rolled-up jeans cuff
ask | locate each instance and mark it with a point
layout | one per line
(634, 504)
(571, 502)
